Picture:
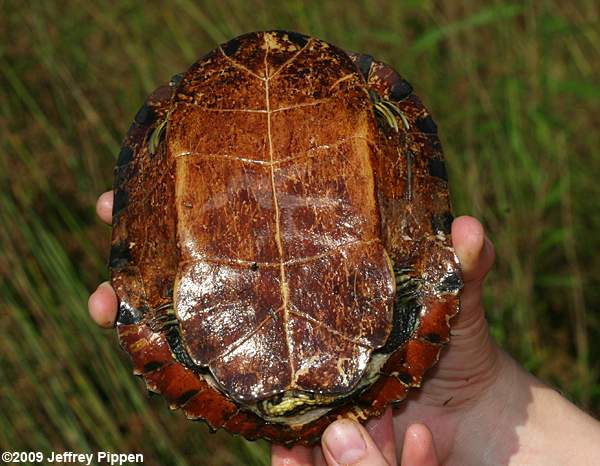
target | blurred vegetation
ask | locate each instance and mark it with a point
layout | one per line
(514, 87)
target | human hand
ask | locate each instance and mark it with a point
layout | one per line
(468, 368)
(470, 343)
(471, 355)
(480, 406)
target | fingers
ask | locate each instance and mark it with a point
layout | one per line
(104, 206)
(102, 305)
(381, 430)
(295, 456)
(346, 442)
(418, 448)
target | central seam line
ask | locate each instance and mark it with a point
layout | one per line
(278, 242)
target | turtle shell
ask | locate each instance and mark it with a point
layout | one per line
(281, 243)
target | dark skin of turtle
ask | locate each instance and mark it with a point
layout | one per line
(275, 228)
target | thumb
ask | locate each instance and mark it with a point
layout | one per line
(476, 256)
(346, 442)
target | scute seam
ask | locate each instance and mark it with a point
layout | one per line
(278, 239)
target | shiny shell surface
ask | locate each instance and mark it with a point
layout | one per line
(281, 243)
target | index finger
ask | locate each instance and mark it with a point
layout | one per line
(295, 456)
(381, 429)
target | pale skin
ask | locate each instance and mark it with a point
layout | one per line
(477, 407)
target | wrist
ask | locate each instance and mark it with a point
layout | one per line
(521, 421)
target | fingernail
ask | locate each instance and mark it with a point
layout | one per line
(345, 442)
(104, 284)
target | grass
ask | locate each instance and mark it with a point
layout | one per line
(513, 87)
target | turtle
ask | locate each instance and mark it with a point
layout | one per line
(281, 243)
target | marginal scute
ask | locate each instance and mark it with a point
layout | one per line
(281, 258)
(119, 255)
(442, 223)
(437, 169)
(364, 65)
(128, 315)
(120, 201)
(426, 125)
(175, 79)
(433, 338)
(125, 156)
(246, 53)
(145, 115)
(405, 378)
(451, 283)
(187, 396)
(299, 39)
(231, 47)
(400, 90)
(152, 366)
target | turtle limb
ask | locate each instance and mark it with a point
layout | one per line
(388, 110)
(162, 318)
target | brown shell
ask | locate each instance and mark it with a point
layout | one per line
(276, 212)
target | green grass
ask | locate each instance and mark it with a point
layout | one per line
(514, 88)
